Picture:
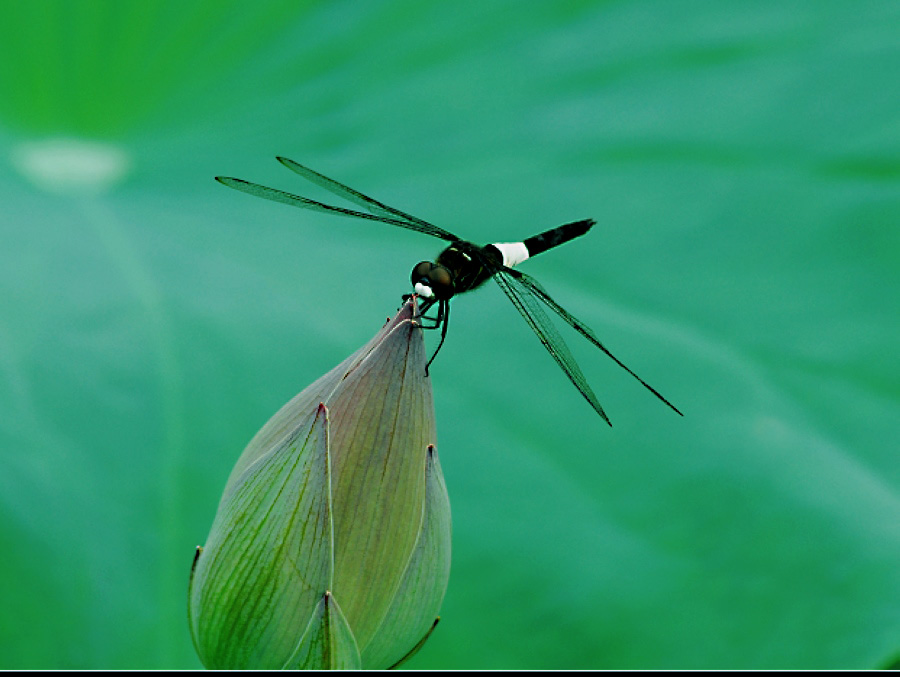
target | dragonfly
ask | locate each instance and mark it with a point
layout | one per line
(464, 266)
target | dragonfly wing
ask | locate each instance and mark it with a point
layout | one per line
(527, 303)
(305, 203)
(534, 289)
(369, 204)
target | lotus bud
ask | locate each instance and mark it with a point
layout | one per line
(331, 545)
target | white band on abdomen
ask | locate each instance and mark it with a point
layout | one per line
(513, 252)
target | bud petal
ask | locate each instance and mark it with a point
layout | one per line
(328, 642)
(255, 550)
(332, 538)
(409, 620)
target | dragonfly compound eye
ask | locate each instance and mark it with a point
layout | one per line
(431, 280)
(420, 272)
(441, 282)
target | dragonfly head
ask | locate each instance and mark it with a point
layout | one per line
(432, 281)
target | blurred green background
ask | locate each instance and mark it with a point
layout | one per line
(742, 159)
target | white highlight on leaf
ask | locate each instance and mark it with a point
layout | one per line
(71, 166)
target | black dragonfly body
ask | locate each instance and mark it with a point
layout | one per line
(464, 266)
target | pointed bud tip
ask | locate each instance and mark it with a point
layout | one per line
(410, 309)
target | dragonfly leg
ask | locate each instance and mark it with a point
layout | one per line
(424, 308)
(443, 319)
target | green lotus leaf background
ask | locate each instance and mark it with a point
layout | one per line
(742, 160)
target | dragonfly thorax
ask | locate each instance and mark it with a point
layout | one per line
(469, 265)
(459, 268)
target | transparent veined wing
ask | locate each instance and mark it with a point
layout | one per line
(529, 306)
(368, 203)
(284, 197)
(533, 289)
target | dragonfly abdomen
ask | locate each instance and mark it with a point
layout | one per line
(557, 236)
(513, 253)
